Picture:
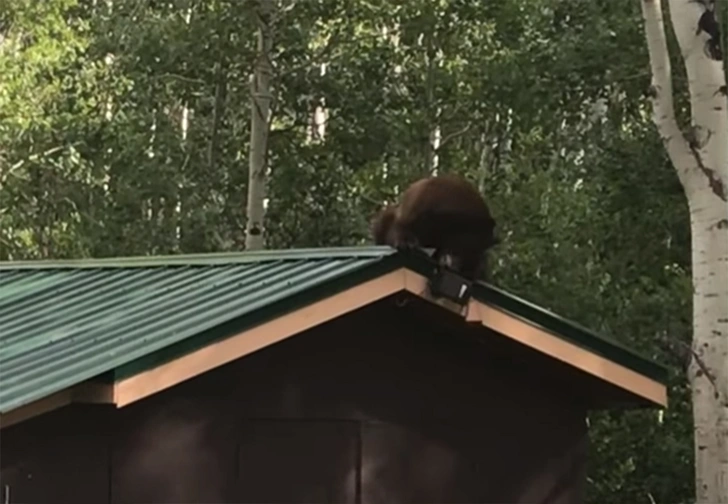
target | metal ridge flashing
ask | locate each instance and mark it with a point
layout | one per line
(204, 259)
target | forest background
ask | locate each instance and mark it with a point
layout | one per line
(125, 130)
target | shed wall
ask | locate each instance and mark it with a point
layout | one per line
(381, 406)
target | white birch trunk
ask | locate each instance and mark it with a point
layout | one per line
(434, 134)
(319, 116)
(176, 206)
(259, 127)
(483, 162)
(701, 161)
(433, 159)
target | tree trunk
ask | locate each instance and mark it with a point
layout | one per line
(217, 112)
(484, 162)
(701, 160)
(259, 127)
(433, 129)
(319, 114)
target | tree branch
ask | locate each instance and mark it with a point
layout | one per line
(174, 76)
(685, 353)
(454, 135)
(33, 157)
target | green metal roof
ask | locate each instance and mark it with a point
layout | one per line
(64, 322)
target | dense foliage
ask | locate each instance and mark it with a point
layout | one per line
(124, 130)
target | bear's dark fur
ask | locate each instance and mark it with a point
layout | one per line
(445, 213)
(382, 225)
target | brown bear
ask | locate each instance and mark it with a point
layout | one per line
(446, 213)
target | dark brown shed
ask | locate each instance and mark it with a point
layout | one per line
(178, 379)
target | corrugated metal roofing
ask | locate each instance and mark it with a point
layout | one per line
(64, 322)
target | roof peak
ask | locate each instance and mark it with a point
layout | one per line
(203, 259)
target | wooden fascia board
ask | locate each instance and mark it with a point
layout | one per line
(155, 380)
(251, 340)
(86, 393)
(246, 342)
(539, 339)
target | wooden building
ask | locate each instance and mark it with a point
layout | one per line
(304, 376)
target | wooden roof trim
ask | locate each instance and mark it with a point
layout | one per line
(246, 342)
(533, 336)
(539, 339)
(86, 393)
(188, 366)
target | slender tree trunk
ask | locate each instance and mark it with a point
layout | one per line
(701, 159)
(433, 129)
(319, 115)
(259, 128)
(433, 145)
(484, 161)
(217, 113)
